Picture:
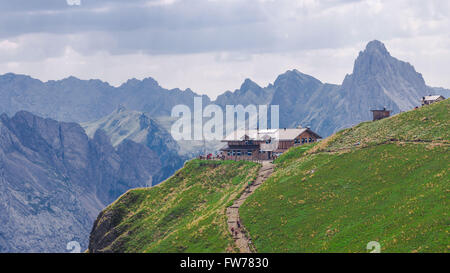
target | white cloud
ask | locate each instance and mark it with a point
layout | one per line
(7, 45)
(212, 46)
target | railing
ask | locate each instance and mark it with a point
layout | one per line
(235, 158)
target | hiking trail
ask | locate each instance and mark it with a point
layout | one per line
(241, 240)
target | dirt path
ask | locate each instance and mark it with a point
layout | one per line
(234, 224)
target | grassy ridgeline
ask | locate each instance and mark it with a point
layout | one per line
(339, 196)
(186, 213)
(385, 181)
(426, 124)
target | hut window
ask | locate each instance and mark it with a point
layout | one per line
(249, 153)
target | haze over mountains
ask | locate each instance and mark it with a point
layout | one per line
(378, 80)
(76, 100)
(55, 176)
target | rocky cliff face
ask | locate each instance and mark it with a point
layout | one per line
(123, 126)
(54, 180)
(249, 93)
(378, 80)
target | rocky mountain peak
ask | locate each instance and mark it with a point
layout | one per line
(146, 122)
(377, 47)
(379, 79)
(249, 85)
(135, 83)
(121, 108)
(71, 79)
(375, 59)
(189, 91)
(12, 78)
(295, 76)
(150, 82)
(376, 62)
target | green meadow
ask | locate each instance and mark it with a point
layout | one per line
(386, 181)
(186, 213)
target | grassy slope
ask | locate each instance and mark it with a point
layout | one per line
(394, 193)
(185, 213)
(429, 123)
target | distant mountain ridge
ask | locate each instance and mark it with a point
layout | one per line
(54, 180)
(377, 80)
(75, 100)
(439, 91)
(387, 178)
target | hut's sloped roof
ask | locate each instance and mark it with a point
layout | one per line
(435, 97)
(280, 134)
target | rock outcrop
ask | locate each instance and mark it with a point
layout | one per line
(123, 126)
(54, 180)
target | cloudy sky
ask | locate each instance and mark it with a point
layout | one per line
(212, 45)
